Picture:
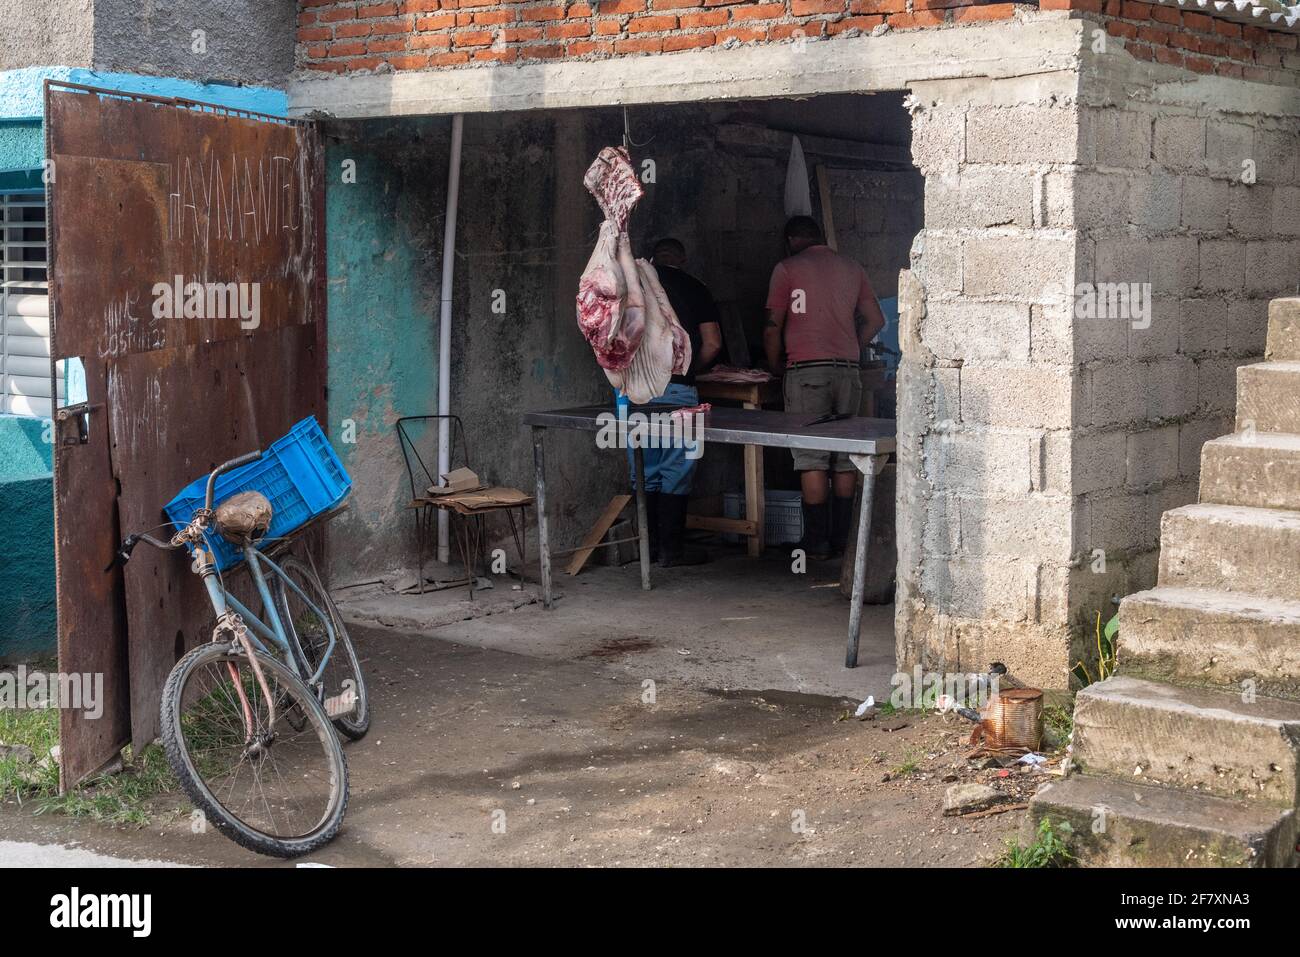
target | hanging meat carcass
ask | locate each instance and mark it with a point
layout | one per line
(622, 309)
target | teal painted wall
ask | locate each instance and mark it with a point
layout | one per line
(22, 144)
(27, 606)
(382, 356)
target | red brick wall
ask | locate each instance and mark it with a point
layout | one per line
(344, 35)
(1196, 41)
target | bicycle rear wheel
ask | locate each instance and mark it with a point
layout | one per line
(344, 688)
(267, 770)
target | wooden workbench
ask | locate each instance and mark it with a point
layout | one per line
(751, 395)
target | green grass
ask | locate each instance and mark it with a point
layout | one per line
(887, 709)
(1058, 722)
(911, 763)
(122, 798)
(38, 729)
(1050, 848)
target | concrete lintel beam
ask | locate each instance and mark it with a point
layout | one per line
(894, 61)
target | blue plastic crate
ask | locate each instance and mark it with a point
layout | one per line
(300, 474)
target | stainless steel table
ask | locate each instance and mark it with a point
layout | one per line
(867, 441)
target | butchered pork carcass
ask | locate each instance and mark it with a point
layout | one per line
(622, 309)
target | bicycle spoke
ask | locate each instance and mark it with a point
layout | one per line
(274, 779)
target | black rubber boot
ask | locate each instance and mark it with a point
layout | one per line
(652, 523)
(841, 523)
(673, 549)
(816, 526)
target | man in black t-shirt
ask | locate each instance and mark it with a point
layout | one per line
(668, 471)
(694, 305)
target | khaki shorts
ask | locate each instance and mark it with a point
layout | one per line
(817, 391)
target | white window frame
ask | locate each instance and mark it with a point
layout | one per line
(24, 320)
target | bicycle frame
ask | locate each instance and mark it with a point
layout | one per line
(223, 601)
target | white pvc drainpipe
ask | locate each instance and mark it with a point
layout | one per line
(444, 326)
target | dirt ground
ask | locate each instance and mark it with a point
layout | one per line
(482, 757)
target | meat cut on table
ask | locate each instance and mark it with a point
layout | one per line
(623, 310)
(724, 373)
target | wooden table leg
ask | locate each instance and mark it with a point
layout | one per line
(755, 498)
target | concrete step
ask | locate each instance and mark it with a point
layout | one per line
(1268, 397)
(1198, 637)
(1283, 329)
(1254, 551)
(1260, 469)
(1126, 825)
(1196, 739)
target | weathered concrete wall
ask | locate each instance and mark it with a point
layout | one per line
(246, 41)
(382, 307)
(36, 32)
(1040, 444)
(1192, 188)
(987, 389)
(523, 229)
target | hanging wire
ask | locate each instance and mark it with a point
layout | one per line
(628, 142)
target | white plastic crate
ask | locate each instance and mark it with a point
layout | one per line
(782, 515)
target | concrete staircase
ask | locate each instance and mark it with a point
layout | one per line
(1191, 756)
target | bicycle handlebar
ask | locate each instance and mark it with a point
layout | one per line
(226, 467)
(123, 553)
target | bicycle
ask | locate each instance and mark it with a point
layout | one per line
(249, 734)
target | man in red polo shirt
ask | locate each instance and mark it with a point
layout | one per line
(822, 312)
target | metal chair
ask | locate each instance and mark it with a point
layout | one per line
(471, 531)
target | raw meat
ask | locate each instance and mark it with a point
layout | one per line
(623, 311)
(692, 410)
(722, 373)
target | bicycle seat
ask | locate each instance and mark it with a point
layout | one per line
(244, 518)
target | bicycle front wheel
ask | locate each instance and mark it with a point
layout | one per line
(266, 769)
(343, 686)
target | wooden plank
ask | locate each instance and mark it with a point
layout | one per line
(715, 523)
(752, 394)
(592, 540)
(828, 218)
(755, 499)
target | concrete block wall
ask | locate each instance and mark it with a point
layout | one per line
(1198, 195)
(1038, 448)
(988, 383)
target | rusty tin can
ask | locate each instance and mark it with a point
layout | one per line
(1014, 719)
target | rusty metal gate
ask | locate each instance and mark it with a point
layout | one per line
(146, 197)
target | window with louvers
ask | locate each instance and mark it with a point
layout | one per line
(24, 307)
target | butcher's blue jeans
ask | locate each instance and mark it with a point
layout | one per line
(668, 470)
